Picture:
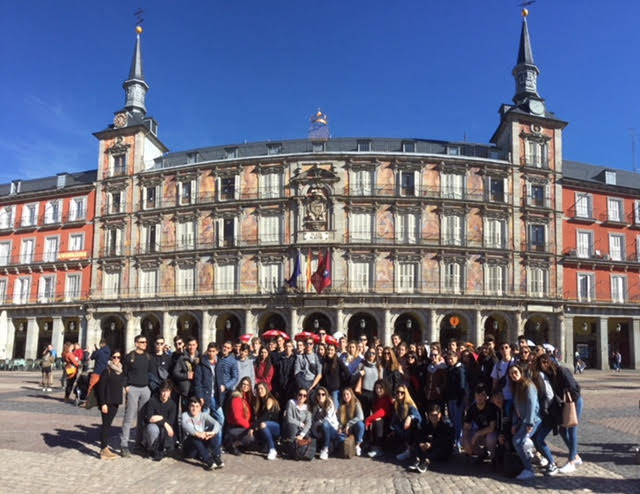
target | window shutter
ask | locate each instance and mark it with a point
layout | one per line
(399, 227)
(236, 187)
(411, 228)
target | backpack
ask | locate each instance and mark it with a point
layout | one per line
(300, 449)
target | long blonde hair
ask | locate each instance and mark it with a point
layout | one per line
(402, 408)
(347, 411)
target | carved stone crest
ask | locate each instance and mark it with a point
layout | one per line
(315, 217)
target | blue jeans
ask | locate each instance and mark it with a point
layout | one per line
(540, 443)
(519, 440)
(270, 433)
(456, 415)
(357, 430)
(194, 447)
(570, 435)
(328, 435)
(335, 396)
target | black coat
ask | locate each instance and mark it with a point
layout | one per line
(109, 388)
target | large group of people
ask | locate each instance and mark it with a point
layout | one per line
(326, 396)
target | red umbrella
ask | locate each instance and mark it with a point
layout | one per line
(246, 338)
(305, 335)
(274, 333)
(330, 340)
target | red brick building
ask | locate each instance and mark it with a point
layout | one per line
(46, 238)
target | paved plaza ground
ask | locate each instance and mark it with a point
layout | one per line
(49, 446)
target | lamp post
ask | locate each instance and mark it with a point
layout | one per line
(316, 325)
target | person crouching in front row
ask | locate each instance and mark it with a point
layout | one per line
(436, 440)
(202, 436)
(159, 416)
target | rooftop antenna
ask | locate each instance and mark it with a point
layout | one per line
(634, 153)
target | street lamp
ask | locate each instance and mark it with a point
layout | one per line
(316, 324)
(495, 325)
(227, 324)
(112, 326)
(363, 323)
(408, 324)
(618, 328)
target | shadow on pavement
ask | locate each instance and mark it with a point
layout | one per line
(77, 439)
(619, 453)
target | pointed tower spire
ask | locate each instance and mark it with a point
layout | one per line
(526, 71)
(135, 86)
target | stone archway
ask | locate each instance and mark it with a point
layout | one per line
(496, 325)
(454, 325)
(271, 320)
(188, 327)
(408, 327)
(536, 329)
(113, 331)
(45, 333)
(19, 338)
(227, 328)
(316, 321)
(150, 328)
(362, 323)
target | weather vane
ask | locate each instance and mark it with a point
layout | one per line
(139, 20)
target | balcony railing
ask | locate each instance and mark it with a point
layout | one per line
(599, 256)
(581, 215)
(70, 296)
(79, 215)
(536, 247)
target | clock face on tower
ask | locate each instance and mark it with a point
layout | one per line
(120, 120)
(536, 106)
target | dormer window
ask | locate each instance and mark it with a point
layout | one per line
(610, 177)
(408, 147)
(192, 158)
(364, 146)
(15, 187)
(230, 153)
(453, 150)
(318, 147)
(275, 148)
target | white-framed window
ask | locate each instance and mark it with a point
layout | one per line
(318, 147)
(186, 235)
(452, 185)
(407, 228)
(53, 212)
(151, 238)
(360, 276)
(51, 249)
(76, 241)
(5, 253)
(3, 290)
(496, 278)
(77, 208)
(586, 287)
(364, 146)
(26, 250)
(537, 237)
(584, 205)
(30, 214)
(537, 154)
(229, 188)
(452, 229)
(361, 227)
(227, 232)
(225, 278)
(114, 242)
(453, 279)
(615, 209)
(453, 150)
(584, 244)
(148, 282)
(187, 192)
(111, 284)
(610, 177)
(618, 288)
(186, 280)
(537, 281)
(151, 197)
(7, 217)
(270, 229)
(636, 212)
(47, 289)
(230, 153)
(22, 290)
(270, 277)
(497, 188)
(537, 195)
(119, 164)
(274, 148)
(362, 182)
(638, 248)
(408, 147)
(408, 183)
(495, 233)
(407, 277)
(116, 202)
(617, 247)
(272, 185)
(74, 286)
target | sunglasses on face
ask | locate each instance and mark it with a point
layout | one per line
(302, 395)
(309, 343)
(399, 392)
(115, 357)
(322, 394)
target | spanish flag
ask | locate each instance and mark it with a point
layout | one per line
(309, 271)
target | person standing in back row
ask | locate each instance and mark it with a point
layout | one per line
(137, 366)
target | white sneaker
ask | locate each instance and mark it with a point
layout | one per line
(324, 454)
(577, 461)
(525, 475)
(374, 452)
(49, 390)
(273, 454)
(404, 455)
(358, 450)
(570, 467)
(543, 462)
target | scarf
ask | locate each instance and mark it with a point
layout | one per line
(117, 368)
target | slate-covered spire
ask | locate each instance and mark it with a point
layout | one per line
(135, 86)
(526, 71)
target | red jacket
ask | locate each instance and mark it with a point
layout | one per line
(238, 416)
(382, 409)
(262, 376)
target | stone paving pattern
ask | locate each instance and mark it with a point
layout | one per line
(44, 442)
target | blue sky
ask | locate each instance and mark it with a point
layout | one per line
(228, 72)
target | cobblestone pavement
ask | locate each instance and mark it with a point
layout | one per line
(44, 442)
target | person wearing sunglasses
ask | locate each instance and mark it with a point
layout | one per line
(500, 376)
(308, 368)
(109, 396)
(296, 422)
(324, 421)
(405, 422)
(240, 417)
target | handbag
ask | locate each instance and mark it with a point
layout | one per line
(569, 414)
(348, 447)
